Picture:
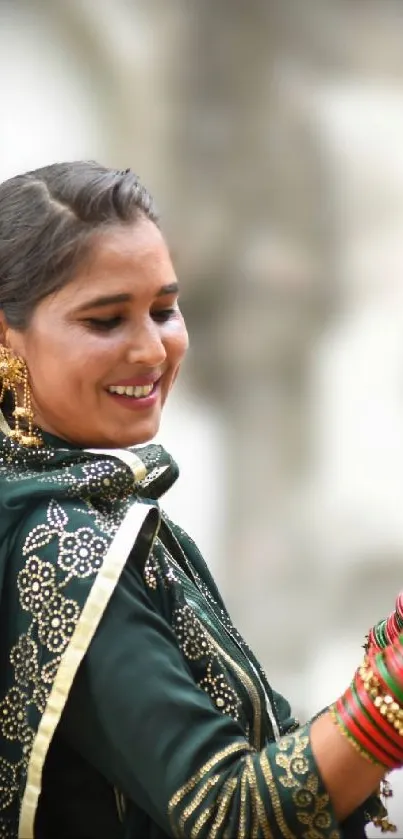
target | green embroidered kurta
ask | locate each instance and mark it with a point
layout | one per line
(130, 708)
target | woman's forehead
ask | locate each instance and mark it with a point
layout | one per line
(127, 243)
(128, 260)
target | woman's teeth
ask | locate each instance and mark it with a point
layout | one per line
(138, 392)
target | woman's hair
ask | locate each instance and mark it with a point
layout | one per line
(48, 218)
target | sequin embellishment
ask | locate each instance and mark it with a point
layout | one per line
(196, 647)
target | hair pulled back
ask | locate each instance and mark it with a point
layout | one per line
(48, 218)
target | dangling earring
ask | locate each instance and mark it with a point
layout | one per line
(14, 373)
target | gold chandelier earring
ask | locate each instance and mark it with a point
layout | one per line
(14, 379)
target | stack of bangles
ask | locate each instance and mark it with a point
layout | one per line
(387, 631)
(370, 712)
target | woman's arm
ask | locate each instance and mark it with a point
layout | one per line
(137, 716)
(349, 778)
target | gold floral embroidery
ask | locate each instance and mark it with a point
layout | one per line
(51, 620)
(8, 783)
(108, 477)
(101, 490)
(190, 634)
(37, 585)
(105, 518)
(225, 698)
(24, 658)
(138, 527)
(159, 567)
(275, 797)
(197, 645)
(249, 686)
(294, 763)
(13, 717)
(81, 553)
(49, 670)
(151, 571)
(312, 808)
(40, 696)
(220, 693)
(57, 623)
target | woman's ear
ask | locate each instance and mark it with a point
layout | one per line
(9, 337)
(3, 328)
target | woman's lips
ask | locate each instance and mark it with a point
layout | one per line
(135, 396)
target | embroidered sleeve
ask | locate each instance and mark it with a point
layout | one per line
(274, 793)
(136, 714)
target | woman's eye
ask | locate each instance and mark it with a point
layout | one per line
(162, 315)
(104, 324)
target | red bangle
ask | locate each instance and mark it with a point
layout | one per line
(343, 705)
(394, 654)
(372, 643)
(393, 741)
(399, 606)
(376, 740)
(387, 631)
(392, 629)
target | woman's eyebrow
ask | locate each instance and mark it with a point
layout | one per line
(109, 299)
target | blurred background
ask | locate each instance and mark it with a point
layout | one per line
(271, 133)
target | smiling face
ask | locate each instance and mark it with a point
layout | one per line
(104, 351)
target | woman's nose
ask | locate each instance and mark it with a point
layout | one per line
(148, 348)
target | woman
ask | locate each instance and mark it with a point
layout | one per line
(130, 707)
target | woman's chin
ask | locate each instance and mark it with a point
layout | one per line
(123, 439)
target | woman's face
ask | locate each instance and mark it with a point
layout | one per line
(104, 351)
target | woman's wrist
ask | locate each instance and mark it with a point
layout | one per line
(370, 712)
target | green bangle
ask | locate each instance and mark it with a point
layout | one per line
(395, 689)
(380, 634)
